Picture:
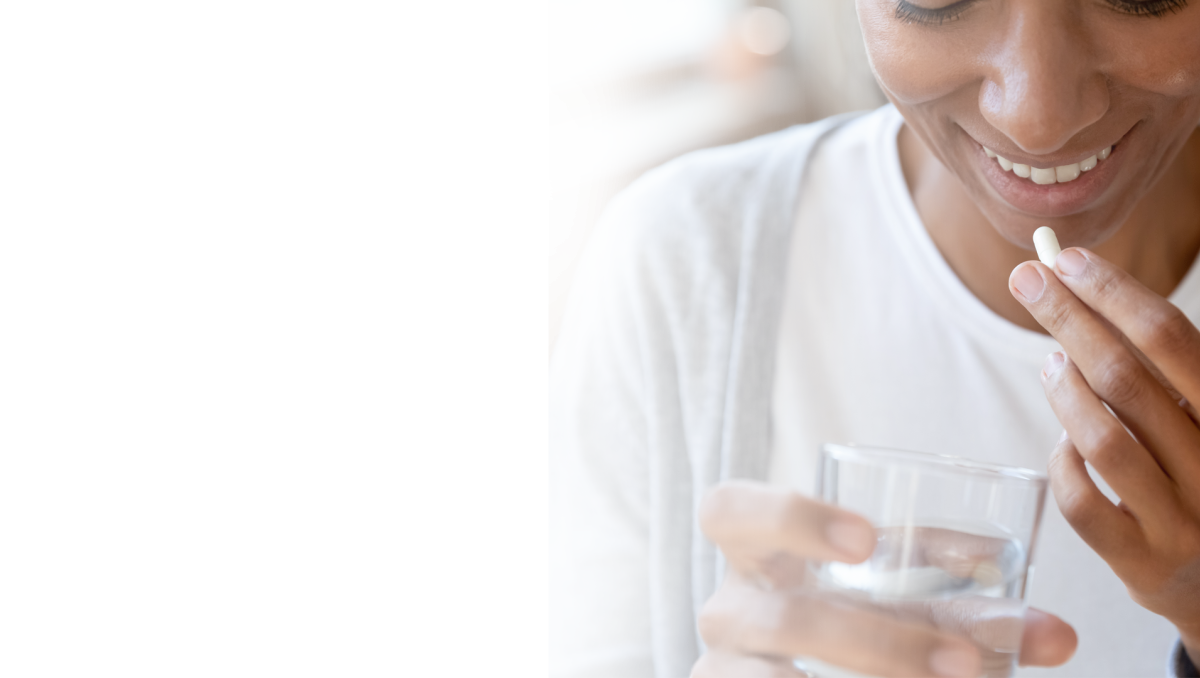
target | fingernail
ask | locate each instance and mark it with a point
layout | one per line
(851, 537)
(1029, 282)
(1053, 364)
(1071, 262)
(954, 661)
(1062, 437)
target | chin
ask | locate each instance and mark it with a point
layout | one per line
(1087, 229)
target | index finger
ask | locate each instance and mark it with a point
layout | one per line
(1151, 323)
(1113, 373)
(752, 519)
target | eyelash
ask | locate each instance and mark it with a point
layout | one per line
(911, 14)
(1148, 7)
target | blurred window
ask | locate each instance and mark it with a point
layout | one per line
(591, 39)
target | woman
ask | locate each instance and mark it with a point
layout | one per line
(866, 279)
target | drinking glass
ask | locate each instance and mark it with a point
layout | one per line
(955, 541)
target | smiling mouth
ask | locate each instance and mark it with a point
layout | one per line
(1051, 175)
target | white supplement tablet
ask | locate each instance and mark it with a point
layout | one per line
(1047, 245)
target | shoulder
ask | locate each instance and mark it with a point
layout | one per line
(696, 210)
(712, 184)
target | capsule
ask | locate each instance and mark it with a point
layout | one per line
(1046, 244)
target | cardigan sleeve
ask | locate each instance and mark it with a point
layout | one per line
(659, 388)
(1180, 664)
(599, 506)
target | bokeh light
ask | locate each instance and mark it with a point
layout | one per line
(763, 30)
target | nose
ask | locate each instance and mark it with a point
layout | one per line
(1042, 86)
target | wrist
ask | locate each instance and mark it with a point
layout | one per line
(1189, 637)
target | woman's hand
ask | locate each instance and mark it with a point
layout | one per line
(1136, 352)
(761, 616)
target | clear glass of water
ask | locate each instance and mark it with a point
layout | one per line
(955, 542)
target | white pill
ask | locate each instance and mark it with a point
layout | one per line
(1047, 245)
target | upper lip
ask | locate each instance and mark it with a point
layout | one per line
(1049, 161)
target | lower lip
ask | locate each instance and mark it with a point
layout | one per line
(1053, 200)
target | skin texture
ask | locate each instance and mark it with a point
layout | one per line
(1049, 83)
(1045, 84)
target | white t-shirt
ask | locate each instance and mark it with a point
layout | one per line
(880, 343)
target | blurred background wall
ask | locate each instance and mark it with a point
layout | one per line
(635, 83)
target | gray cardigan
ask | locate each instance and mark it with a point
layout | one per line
(661, 379)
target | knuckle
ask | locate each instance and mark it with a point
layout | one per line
(1168, 331)
(1119, 380)
(1069, 501)
(1062, 453)
(1055, 317)
(1071, 505)
(1077, 507)
(1107, 446)
(1187, 539)
(1107, 286)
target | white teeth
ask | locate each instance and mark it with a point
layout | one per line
(1051, 175)
(1042, 176)
(1067, 173)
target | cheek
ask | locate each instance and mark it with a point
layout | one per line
(1163, 59)
(913, 64)
(1168, 78)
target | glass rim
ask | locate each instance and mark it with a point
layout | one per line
(943, 463)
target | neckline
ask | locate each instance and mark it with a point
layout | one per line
(944, 286)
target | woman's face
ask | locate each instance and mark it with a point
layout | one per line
(1046, 84)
